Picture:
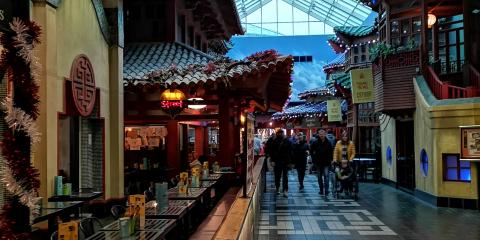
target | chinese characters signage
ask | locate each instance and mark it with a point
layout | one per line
(334, 111)
(470, 143)
(362, 85)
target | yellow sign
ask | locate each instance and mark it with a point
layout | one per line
(68, 231)
(334, 111)
(362, 85)
(137, 205)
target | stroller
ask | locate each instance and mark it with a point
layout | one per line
(344, 181)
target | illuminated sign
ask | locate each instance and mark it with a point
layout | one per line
(171, 104)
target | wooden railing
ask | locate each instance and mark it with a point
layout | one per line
(474, 76)
(443, 90)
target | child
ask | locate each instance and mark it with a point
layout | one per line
(346, 176)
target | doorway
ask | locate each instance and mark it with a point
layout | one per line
(405, 155)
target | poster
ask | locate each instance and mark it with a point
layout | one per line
(182, 184)
(250, 122)
(470, 143)
(334, 111)
(68, 230)
(362, 85)
(137, 205)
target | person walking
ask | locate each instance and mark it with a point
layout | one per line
(300, 153)
(321, 151)
(344, 149)
(281, 157)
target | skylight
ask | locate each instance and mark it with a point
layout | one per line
(299, 17)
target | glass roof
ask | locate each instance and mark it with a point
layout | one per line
(299, 17)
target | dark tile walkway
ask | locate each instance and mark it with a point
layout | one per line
(381, 213)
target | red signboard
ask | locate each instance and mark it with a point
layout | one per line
(83, 85)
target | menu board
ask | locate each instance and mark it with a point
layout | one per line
(138, 137)
(470, 143)
(137, 205)
(68, 230)
(250, 150)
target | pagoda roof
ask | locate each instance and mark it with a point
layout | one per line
(308, 109)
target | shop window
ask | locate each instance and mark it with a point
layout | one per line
(181, 28)
(424, 162)
(364, 58)
(454, 169)
(191, 38)
(450, 45)
(406, 30)
(389, 156)
(355, 59)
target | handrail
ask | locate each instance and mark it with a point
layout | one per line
(474, 76)
(443, 90)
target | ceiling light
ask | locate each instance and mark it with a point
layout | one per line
(194, 105)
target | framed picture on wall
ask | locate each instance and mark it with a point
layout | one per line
(470, 143)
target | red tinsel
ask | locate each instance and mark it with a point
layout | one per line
(15, 146)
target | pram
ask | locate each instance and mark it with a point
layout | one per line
(335, 182)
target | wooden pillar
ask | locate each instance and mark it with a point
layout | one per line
(199, 141)
(423, 46)
(205, 141)
(173, 146)
(226, 133)
(171, 24)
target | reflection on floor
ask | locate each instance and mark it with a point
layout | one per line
(381, 213)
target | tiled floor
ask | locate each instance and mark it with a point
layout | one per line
(380, 213)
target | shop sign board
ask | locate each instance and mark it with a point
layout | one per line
(311, 122)
(362, 85)
(470, 143)
(334, 111)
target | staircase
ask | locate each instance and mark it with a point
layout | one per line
(445, 90)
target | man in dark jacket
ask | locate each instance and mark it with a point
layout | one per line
(300, 154)
(281, 153)
(322, 153)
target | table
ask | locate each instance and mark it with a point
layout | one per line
(171, 212)
(76, 196)
(362, 164)
(141, 235)
(211, 177)
(159, 225)
(51, 210)
(193, 194)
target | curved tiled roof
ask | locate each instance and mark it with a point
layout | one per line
(338, 61)
(342, 79)
(151, 63)
(140, 59)
(355, 31)
(307, 109)
(315, 92)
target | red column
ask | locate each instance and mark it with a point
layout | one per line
(226, 134)
(199, 139)
(173, 150)
(205, 140)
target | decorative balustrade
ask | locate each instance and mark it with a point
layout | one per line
(443, 90)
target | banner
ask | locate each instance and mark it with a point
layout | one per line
(470, 143)
(362, 85)
(334, 111)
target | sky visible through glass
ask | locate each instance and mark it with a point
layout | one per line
(299, 17)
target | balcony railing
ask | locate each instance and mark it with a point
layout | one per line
(443, 90)
(474, 77)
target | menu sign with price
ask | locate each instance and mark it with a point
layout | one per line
(470, 144)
